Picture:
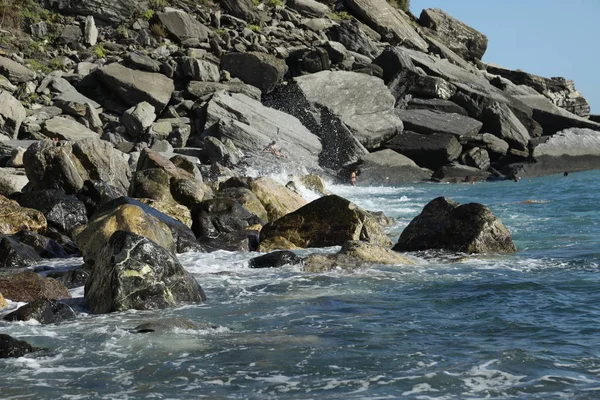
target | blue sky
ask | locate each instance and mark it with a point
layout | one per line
(543, 37)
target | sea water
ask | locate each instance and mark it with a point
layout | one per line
(523, 326)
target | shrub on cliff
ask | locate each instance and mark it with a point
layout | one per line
(403, 5)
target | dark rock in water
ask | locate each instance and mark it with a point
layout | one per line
(72, 278)
(447, 225)
(14, 254)
(214, 217)
(12, 348)
(389, 168)
(133, 272)
(441, 105)
(257, 69)
(64, 212)
(43, 311)
(327, 221)
(425, 121)
(44, 246)
(275, 259)
(29, 286)
(459, 37)
(430, 151)
(455, 173)
(168, 325)
(95, 193)
(244, 241)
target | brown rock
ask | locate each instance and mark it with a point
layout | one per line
(276, 243)
(14, 218)
(29, 286)
(277, 199)
(373, 254)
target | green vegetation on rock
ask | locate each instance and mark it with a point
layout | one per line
(254, 28)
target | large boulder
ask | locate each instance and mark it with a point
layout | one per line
(44, 311)
(63, 212)
(388, 168)
(12, 180)
(13, 348)
(257, 69)
(351, 35)
(135, 86)
(447, 225)
(389, 21)
(455, 173)
(215, 217)
(431, 151)
(277, 199)
(12, 114)
(29, 286)
(310, 8)
(328, 221)
(133, 272)
(371, 253)
(247, 199)
(14, 254)
(499, 120)
(182, 25)
(63, 128)
(14, 218)
(426, 121)
(44, 246)
(15, 72)
(467, 42)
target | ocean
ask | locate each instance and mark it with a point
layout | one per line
(523, 326)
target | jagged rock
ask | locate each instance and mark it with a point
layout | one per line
(431, 151)
(495, 146)
(454, 173)
(44, 311)
(432, 87)
(371, 253)
(95, 193)
(277, 199)
(328, 221)
(63, 212)
(447, 225)
(459, 37)
(252, 127)
(439, 105)
(14, 254)
(499, 120)
(247, 199)
(425, 121)
(214, 217)
(114, 11)
(477, 158)
(200, 70)
(183, 26)
(275, 259)
(142, 61)
(66, 166)
(12, 180)
(257, 69)
(352, 37)
(14, 218)
(139, 118)
(133, 272)
(243, 9)
(317, 24)
(388, 168)
(67, 129)
(390, 22)
(13, 348)
(201, 89)
(137, 86)
(12, 114)
(310, 8)
(73, 278)
(44, 246)
(29, 286)
(15, 72)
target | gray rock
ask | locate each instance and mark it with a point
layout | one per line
(43, 311)
(499, 120)
(390, 22)
(135, 273)
(447, 225)
(200, 70)
(12, 114)
(15, 72)
(70, 35)
(350, 34)
(202, 89)
(142, 61)
(215, 217)
(454, 173)
(257, 69)
(275, 259)
(388, 168)
(12, 181)
(170, 325)
(138, 118)
(459, 37)
(63, 212)
(39, 29)
(310, 8)
(426, 121)
(113, 11)
(67, 129)
(243, 9)
(431, 151)
(477, 158)
(445, 106)
(432, 87)
(137, 86)
(495, 146)
(90, 32)
(183, 25)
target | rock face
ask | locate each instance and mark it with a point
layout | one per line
(29, 286)
(244, 9)
(43, 311)
(257, 69)
(388, 168)
(390, 22)
(12, 114)
(447, 225)
(135, 273)
(328, 221)
(137, 86)
(14, 218)
(425, 121)
(110, 11)
(12, 348)
(459, 37)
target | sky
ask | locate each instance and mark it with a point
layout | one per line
(543, 37)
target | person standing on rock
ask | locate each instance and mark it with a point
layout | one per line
(354, 176)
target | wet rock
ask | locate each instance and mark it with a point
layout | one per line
(3, 303)
(168, 325)
(277, 199)
(371, 253)
(431, 151)
(247, 199)
(182, 25)
(315, 183)
(13, 348)
(14, 254)
(172, 209)
(275, 259)
(328, 221)
(276, 243)
(29, 286)
(257, 69)
(447, 225)
(459, 37)
(320, 263)
(425, 122)
(95, 193)
(72, 278)
(44, 311)
(64, 212)
(214, 217)
(12, 114)
(15, 72)
(389, 168)
(14, 218)
(135, 273)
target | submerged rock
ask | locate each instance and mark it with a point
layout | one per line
(371, 253)
(44, 311)
(11, 347)
(168, 325)
(133, 272)
(447, 225)
(275, 259)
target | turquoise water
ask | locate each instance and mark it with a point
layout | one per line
(525, 326)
